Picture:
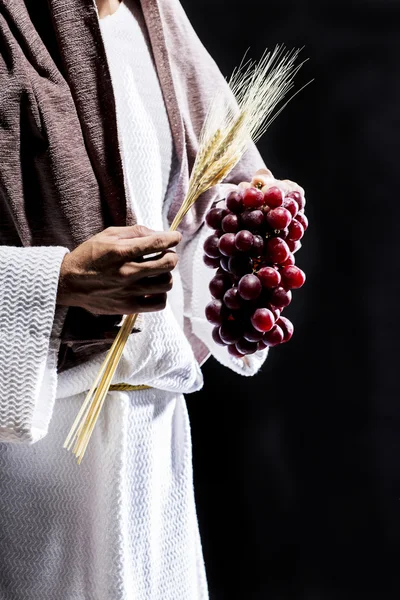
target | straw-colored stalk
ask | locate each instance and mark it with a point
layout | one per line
(257, 89)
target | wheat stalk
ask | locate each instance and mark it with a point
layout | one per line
(257, 90)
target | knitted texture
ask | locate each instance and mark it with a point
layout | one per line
(28, 340)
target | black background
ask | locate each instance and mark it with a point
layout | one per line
(297, 470)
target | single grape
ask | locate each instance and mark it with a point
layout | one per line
(302, 219)
(232, 299)
(292, 277)
(287, 328)
(273, 337)
(275, 311)
(258, 246)
(214, 217)
(218, 285)
(233, 351)
(240, 265)
(246, 347)
(269, 277)
(211, 246)
(230, 332)
(215, 312)
(262, 319)
(249, 287)
(244, 240)
(296, 231)
(234, 201)
(230, 223)
(278, 218)
(253, 220)
(226, 244)
(216, 337)
(273, 197)
(299, 198)
(289, 261)
(280, 297)
(252, 335)
(261, 345)
(224, 263)
(294, 246)
(253, 198)
(277, 250)
(291, 205)
(213, 263)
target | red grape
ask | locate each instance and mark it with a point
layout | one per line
(252, 335)
(224, 262)
(244, 240)
(230, 332)
(258, 246)
(246, 347)
(273, 197)
(211, 246)
(232, 299)
(249, 287)
(234, 351)
(253, 219)
(294, 246)
(218, 285)
(278, 218)
(299, 198)
(287, 328)
(292, 277)
(230, 224)
(253, 198)
(277, 250)
(296, 231)
(240, 265)
(273, 337)
(289, 261)
(262, 319)
(234, 201)
(301, 218)
(275, 311)
(280, 297)
(215, 216)
(215, 312)
(269, 277)
(291, 205)
(216, 337)
(226, 244)
(213, 263)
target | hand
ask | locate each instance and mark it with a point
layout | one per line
(111, 272)
(265, 177)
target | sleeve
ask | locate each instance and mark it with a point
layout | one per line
(196, 277)
(30, 325)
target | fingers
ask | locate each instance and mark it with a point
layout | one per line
(149, 244)
(152, 285)
(130, 232)
(151, 303)
(152, 267)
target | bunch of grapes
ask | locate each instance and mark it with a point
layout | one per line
(257, 232)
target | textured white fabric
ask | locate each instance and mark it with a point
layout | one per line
(123, 525)
(28, 341)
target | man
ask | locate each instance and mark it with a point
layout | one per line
(101, 109)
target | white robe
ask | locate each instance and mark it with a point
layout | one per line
(122, 525)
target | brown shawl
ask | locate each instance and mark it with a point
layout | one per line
(61, 178)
